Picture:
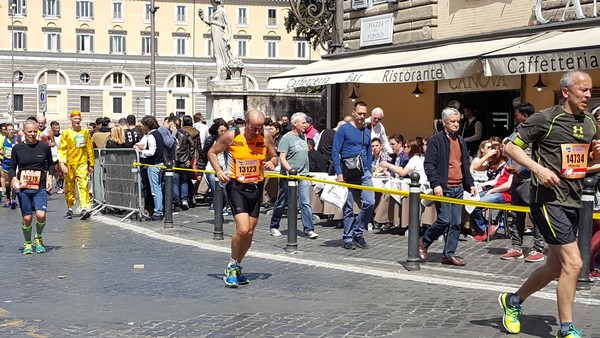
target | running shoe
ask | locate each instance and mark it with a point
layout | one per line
(13, 205)
(231, 276)
(242, 280)
(185, 205)
(595, 276)
(510, 319)
(312, 235)
(275, 232)
(534, 256)
(513, 253)
(6, 204)
(572, 333)
(69, 213)
(60, 191)
(28, 248)
(361, 243)
(39, 245)
(85, 214)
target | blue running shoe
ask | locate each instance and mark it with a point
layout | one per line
(39, 245)
(572, 333)
(28, 248)
(242, 280)
(231, 276)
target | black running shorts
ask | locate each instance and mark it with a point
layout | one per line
(245, 197)
(557, 224)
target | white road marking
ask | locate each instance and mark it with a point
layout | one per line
(405, 275)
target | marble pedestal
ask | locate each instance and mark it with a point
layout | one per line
(224, 98)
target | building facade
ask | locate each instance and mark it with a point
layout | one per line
(94, 55)
(414, 57)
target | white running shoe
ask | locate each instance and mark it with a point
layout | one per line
(275, 232)
(312, 235)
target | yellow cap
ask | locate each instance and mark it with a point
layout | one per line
(75, 112)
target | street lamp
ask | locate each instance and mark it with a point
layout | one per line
(13, 8)
(153, 10)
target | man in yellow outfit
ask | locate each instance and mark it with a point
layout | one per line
(76, 162)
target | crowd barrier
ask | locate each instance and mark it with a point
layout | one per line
(415, 196)
(116, 184)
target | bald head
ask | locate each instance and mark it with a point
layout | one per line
(255, 123)
(255, 116)
(41, 122)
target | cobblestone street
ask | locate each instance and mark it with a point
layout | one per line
(87, 284)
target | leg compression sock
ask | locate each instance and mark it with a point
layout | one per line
(27, 233)
(39, 228)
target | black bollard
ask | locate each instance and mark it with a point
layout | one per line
(584, 240)
(292, 214)
(169, 195)
(218, 208)
(414, 228)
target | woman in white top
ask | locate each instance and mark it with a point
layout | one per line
(415, 162)
(482, 158)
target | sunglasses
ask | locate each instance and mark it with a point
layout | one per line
(255, 129)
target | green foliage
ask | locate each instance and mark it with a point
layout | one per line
(315, 20)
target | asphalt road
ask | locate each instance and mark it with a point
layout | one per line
(87, 285)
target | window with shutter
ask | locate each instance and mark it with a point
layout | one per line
(359, 4)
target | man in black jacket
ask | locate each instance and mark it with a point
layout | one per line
(184, 154)
(447, 169)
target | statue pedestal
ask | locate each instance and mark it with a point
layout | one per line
(224, 98)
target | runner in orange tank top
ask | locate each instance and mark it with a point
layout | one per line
(251, 150)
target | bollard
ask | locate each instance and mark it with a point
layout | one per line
(414, 228)
(218, 209)
(292, 214)
(584, 240)
(169, 195)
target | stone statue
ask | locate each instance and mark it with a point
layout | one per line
(227, 66)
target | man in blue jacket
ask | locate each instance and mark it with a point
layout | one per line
(447, 169)
(351, 157)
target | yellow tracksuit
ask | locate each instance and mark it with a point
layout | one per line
(76, 151)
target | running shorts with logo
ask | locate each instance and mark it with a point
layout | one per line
(557, 224)
(245, 197)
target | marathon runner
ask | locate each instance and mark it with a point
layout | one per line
(251, 149)
(32, 182)
(76, 161)
(8, 143)
(561, 138)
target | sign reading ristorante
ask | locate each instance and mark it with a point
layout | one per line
(433, 72)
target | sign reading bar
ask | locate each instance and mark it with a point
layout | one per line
(376, 30)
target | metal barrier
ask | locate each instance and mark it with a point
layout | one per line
(118, 185)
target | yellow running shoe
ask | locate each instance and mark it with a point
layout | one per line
(28, 248)
(510, 319)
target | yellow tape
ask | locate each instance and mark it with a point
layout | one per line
(496, 206)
